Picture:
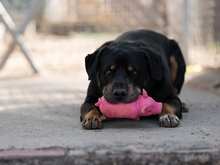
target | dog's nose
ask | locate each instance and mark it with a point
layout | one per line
(120, 93)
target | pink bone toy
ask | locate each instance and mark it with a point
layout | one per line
(143, 106)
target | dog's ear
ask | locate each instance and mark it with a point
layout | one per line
(92, 61)
(154, 62)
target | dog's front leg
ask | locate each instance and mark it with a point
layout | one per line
(171, 113)
(90, 116)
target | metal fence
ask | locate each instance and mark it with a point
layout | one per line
(201, 29)
(204, 25)
(102, 15)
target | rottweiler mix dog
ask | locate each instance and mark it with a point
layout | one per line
(136, 60)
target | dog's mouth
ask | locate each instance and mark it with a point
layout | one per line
(121, 95)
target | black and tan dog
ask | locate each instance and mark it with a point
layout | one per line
(136, 60)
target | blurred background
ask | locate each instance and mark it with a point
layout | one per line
(62, 32)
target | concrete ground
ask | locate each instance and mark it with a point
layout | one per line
(40, 124)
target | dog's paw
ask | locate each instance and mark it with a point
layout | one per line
(92, 122)
(169, 121)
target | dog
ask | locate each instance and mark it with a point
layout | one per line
(136, 60)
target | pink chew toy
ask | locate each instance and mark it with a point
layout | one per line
(143, 106)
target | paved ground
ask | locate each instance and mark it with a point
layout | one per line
(42, 113)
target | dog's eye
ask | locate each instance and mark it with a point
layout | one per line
(108, 73)
(134, 72)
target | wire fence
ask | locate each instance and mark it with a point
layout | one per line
(204, 41)
(63, 17)
(102, 15)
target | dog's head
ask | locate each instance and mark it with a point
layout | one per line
(123, 69)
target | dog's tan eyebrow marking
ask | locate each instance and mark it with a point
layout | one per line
(112, 67)
(130, 68)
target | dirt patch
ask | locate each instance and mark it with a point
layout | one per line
(208, 79)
